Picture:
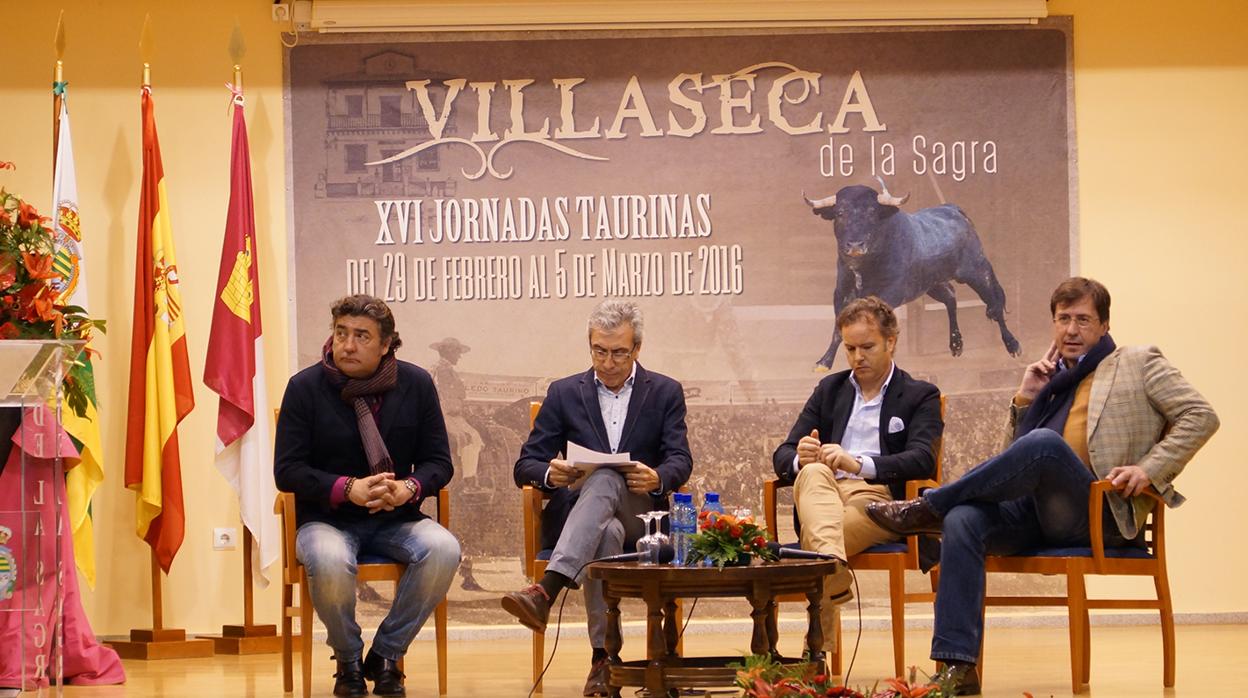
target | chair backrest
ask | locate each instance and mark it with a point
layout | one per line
(938, 448)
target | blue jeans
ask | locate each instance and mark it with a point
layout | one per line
(1033, 494)
(329, 553)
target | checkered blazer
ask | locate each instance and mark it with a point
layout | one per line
(1141, 411)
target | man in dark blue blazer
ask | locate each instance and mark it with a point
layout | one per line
(860, 436)
(615, 407)
(360, 442)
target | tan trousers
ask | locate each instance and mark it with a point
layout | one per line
(834, 521)
(834, 512)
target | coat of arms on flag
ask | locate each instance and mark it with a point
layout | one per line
(8, 565)
(68, 233)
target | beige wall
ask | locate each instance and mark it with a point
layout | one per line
(1161, 93)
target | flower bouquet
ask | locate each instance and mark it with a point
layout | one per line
(726, 540)
(31, 306)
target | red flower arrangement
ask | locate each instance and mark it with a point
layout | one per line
(30, 303)
(761, 676)
(726, 540)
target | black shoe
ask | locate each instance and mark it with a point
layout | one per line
(349, 680)
(385, 675)
(596, 682)
(905, 517)
(960, 677)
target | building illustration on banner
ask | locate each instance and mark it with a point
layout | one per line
(372, 116)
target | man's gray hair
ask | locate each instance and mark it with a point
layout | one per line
(612, 313)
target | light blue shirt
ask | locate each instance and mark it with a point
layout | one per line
(614, 407)
(862, 431)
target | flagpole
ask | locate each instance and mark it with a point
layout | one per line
(158, 603)
(58, 77)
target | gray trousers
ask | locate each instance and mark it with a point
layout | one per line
(603, 520)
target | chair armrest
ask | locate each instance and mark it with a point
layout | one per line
(284, 507)
(444, 509)
(770, 488)
(532, 501)
(1096, 509)
(912, 542)
(913, 487)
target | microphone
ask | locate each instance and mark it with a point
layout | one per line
(666, 554)
(799, 554)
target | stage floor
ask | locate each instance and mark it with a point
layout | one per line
(1126, 661)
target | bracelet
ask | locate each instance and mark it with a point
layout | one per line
(411, 486)
(346, 492)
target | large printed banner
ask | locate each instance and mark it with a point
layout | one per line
(739, 188)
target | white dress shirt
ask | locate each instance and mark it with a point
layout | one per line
(862, 431)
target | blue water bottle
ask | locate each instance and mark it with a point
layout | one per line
(710, 502)
(684, 526)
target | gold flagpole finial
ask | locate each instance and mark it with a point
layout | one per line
(238, 49)
(147, 49)
(58, 42)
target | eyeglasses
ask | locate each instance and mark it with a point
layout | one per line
(617, 355)
(1083, 322)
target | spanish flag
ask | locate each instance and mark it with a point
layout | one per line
(160, 374)
(234, 368)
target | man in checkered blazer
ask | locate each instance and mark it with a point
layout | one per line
(1087, 411)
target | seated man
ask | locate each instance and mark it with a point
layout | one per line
(861, 435)
(617, 406)
(1088, 410)
(360, 442)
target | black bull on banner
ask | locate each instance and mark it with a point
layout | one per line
(740, 188)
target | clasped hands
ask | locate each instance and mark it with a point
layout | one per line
(641, 478)
(380, 492)
(809, 450)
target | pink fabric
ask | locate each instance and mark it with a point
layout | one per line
(86, 661)
(338, 494)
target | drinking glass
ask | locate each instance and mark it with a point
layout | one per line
(660, 538)
(647, 546)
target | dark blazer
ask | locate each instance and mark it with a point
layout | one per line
(654, 433)
(318, 441)
(904, 455)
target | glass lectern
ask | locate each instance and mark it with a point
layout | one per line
(33, 539)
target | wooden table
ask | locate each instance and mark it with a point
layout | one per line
(659, 586)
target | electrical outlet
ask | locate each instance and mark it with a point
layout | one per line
(224, 538)
(281, 12)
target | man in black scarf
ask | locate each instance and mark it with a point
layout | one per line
(360, 442)
(1086, 411)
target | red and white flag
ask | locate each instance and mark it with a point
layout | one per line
(234, 368)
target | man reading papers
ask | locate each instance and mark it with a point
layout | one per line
(614, 407)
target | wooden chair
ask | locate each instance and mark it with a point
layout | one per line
(1075, 563)
(535, 557)
(371, 568)
(895, 558)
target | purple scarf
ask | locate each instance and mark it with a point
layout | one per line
(362, 394)
(1052, 403)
